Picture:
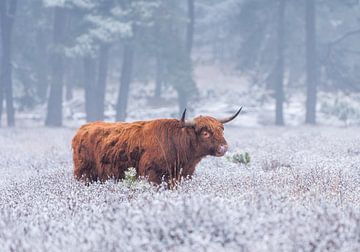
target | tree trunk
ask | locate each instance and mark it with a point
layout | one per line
(101, 81)
(7, 21)
(125, 79)
(190, 26)
(183, 92)
(279, 79)
(182, 100)
(69, 78)
(159, 66)
(311, 62)
(54, 109)
(42, 70)
(159, 76)
(69, 89)
(90, 88)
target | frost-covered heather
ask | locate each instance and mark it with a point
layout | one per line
(301, 192)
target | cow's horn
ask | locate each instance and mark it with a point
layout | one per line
(183, 116)
(186, 123)
(228, 119)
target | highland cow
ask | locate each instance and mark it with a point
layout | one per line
(163, 149)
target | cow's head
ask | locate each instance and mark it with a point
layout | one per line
(209, 133)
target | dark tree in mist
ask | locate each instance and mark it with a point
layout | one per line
(158, 76)
(101, 80)
(311, 62)
(184, 93)
(173, 42)
(70, 77)
(159, 63)
(95, 75)
(40, 62)
(190, 25)
(90, 88)
(125, 80)
(279, 72)
(7, 12)
(54, 109)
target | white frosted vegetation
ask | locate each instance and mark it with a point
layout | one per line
(85, 4)
(301, 191)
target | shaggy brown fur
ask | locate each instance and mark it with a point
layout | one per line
(158, 149)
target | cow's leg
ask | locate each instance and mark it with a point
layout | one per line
(189, 169)
(84, 170)
(152, 170)
(153, 176)
(79, 167)
(104, 172)
(110, 171)
(87, 174)
(157, 175)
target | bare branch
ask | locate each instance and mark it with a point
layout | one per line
(344, 36)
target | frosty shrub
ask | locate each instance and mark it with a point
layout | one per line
(344, 107)
(269, 165)
(130, 175)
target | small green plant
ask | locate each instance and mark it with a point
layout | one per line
(130, 175)
(240, 158)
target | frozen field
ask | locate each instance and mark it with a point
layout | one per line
(300, 192)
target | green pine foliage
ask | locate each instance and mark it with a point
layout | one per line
(240, 158)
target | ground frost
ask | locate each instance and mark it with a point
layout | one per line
(301, 191)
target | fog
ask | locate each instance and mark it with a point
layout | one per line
(281, 176)
(287, 62)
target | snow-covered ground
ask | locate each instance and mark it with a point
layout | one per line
(300, 192)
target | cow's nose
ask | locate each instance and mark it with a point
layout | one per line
(222, 149)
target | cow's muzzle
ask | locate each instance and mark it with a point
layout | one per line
(221, 150)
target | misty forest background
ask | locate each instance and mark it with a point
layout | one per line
(89, 55)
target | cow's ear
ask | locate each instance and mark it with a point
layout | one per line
(189, 124)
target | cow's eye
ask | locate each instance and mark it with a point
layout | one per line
(205, 134)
